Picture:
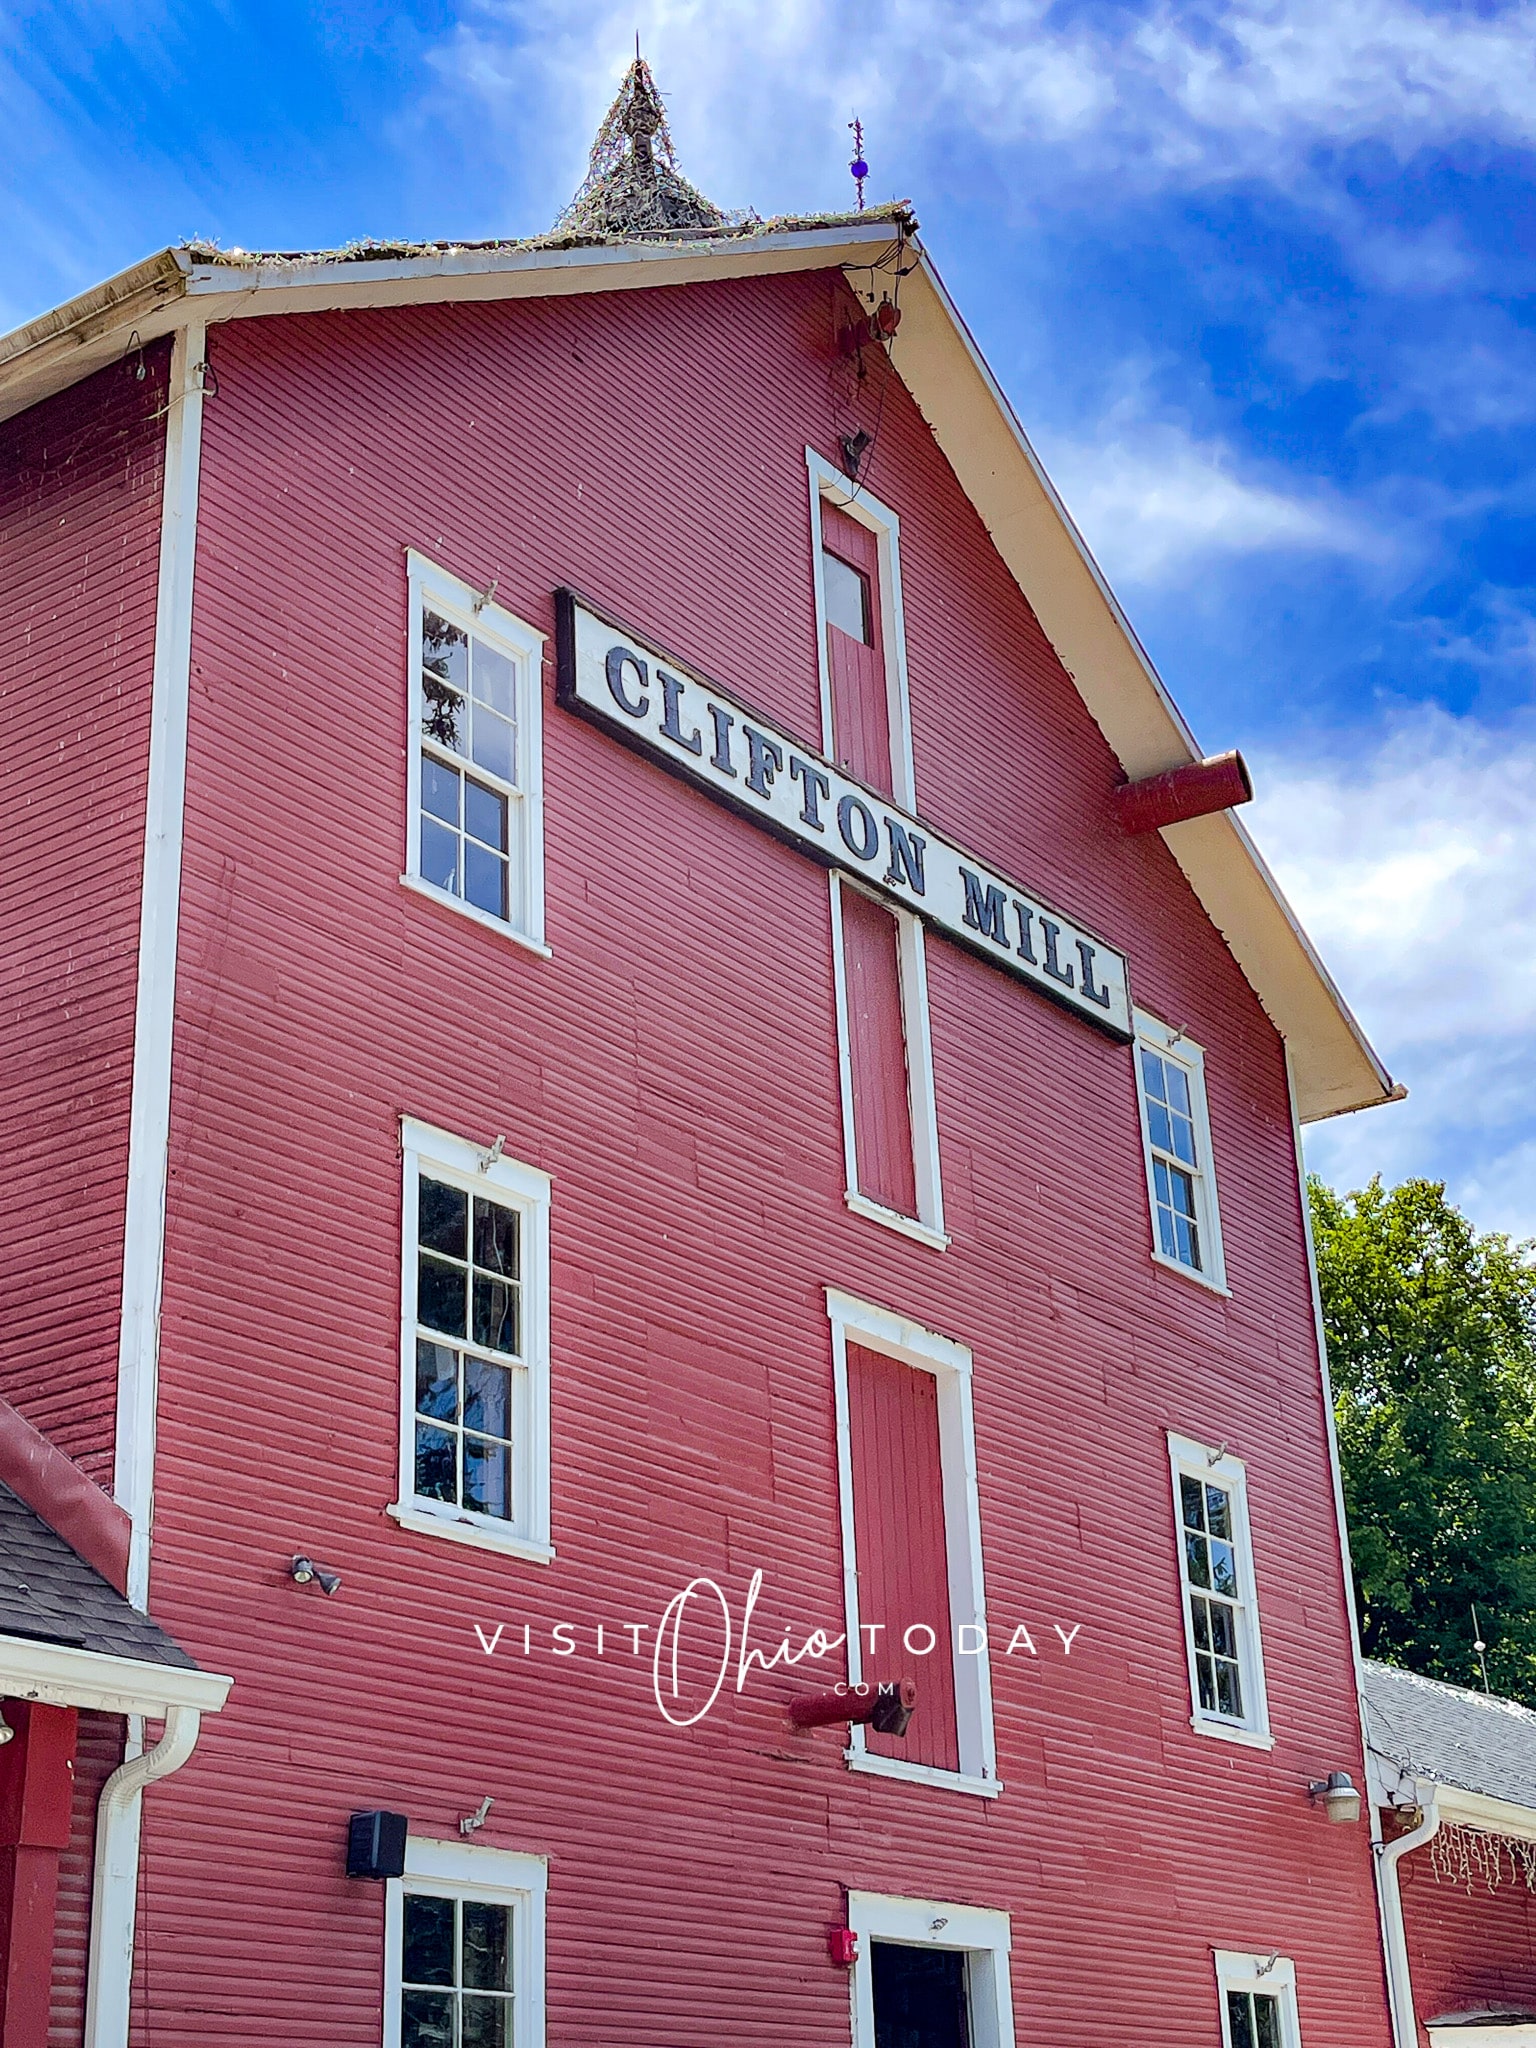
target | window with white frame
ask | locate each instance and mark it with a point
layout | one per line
(1176, 1137)
(1221, 1615)
(913, 1592)
(1258, 2001)
(885, 1052)
(475, 830)
(930, 1970)
(474, 1453)
(464, 1949)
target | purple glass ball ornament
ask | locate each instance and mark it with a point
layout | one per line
(859, 168)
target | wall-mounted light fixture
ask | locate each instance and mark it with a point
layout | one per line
(843, 1946)
(7, 1732)
(1338, 1795)
(305, 1572)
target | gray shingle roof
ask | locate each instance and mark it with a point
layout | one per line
(1472, 1740)
(50, 1594)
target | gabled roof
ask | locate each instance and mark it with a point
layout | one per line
(48, 1594)
(1334, 1067)
(1473, 1741)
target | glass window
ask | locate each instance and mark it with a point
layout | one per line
(847, 598)
(1216, 1574)
(456, 1987)
(1253, 2019)
(468, 1348)
(1170, 1081)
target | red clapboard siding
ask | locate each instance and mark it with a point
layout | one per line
(882, 1103)
(98, 1752)
(79, 544)
(673, 1066)
(1470, 1944)
(861, 720)
(898, 1535)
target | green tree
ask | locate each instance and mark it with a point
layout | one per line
(1432, 1346)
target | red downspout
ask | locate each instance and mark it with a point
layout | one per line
(37, 1784)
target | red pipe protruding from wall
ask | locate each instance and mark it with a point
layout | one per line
(1193, 791)
(58, 1493)
(891, 1702)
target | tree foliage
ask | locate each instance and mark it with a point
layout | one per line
(1432, 1346)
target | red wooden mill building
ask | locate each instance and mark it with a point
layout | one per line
(621, 983)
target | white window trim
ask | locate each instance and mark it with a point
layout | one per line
(524, 648)
(423, 1148)
(831, 485)
(1273, 1974)
(980, 1932)
(1183, 1052)
(1200, 1462)
(896, 1336)
(458, 1870)
(928, 1225)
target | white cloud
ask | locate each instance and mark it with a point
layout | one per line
(1157, 505)
(1415, 872)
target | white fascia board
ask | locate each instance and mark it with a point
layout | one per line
(1460, 1808)
(68, 342)
(62, 1677)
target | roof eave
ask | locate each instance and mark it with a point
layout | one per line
(61, 346)
(61, 1676)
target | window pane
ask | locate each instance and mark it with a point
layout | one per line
(1207, 1683)
(442, 1218)
(1223, 1569)
(487, 2023)
(1190, 1500)
(437, 1382)
(1176, 1088)
(427, 1957)
(494, 748)
(847, 596)
(444, 650)
(426, 2019)
(440, 1292)
(439, 856)
(1229, 1694)
(485, 880)
(1218, 1509)
(1223, 1629)
(495, 1237)
(487, 1946)
(440, 789)
(1200, 1615)
(1240, 2019)
(496, 1317)
(488, 1477)
(437, 1464)
(485, 815)
(1159, 1128)
(1266, 2013)
(1197, 1559)
(442, 715)
(494, 676)
(487, 1397)
(1152, 1076)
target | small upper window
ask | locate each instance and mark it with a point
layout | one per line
(1221, 1619)
(1258, 2001)
(1170, 1084)
(464, 1948)
(475, 826)
(847, 595)
(474, 1455)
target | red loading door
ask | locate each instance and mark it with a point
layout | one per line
(861, 722)
(877, 1048)
(898, 1529)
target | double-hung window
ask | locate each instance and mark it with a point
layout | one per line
(475, 835)
(1176, 1139)
(464, 1949)
(890, 1132)
(474, 1451)
(1258, 2001)
(1221, 1615)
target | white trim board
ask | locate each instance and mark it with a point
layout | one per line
(1186, 1455)
(59, 1676)
(149, 1118)
(464, 1870)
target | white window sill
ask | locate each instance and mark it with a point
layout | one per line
(921, 1774)
(480, 1535)
(1208, 1281)
(1250, 1738)
(475, 915)
(909, 1226)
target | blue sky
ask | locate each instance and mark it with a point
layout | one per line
(1260, 278)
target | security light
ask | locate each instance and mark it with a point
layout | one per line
(1338, 1795)
(304, 1571)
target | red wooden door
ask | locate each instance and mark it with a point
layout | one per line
(899, 1542)
(877, 1050)
(861, 720)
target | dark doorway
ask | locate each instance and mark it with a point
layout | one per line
(919, 1997)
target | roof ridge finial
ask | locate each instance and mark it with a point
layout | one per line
(633, 185)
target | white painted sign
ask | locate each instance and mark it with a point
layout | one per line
(697, 730)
